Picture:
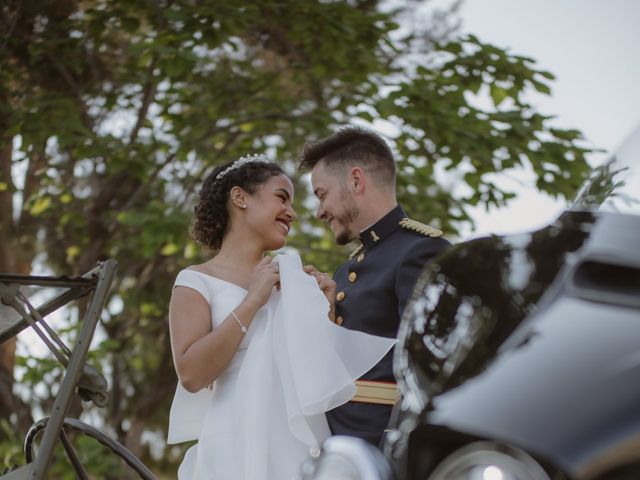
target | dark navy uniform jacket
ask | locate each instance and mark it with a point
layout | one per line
(373, 288)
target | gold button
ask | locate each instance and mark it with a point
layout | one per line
(353, 276)
(338, 320)
(360, 257)
(340, 296)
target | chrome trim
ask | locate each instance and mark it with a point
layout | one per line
(515, 463)
(367, 460)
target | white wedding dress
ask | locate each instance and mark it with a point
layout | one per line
(265, 414)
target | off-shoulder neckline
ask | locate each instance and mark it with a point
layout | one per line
(215, 278)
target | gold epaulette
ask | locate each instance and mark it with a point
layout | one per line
(356, 252)
(422, 228)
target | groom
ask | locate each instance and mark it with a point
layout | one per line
(353, 176)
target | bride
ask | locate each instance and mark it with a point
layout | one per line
(257, 359)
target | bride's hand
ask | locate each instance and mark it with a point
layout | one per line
(263, 278)
(326, 284)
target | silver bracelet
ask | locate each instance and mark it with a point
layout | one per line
(243, 329)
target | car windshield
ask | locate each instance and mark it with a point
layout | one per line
(615, 185)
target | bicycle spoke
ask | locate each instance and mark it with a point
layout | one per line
(73, 456)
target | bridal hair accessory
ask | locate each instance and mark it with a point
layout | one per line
(254, 158)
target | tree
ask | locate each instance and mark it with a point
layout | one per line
(113, 111)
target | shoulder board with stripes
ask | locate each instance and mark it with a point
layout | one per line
(421, 228)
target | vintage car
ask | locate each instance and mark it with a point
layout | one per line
(519, 356)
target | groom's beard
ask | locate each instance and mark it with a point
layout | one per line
(349, 214)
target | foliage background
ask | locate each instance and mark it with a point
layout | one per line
(112, 111)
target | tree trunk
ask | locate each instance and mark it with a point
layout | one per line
(9, 262)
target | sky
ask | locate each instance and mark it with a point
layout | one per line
(593, 49)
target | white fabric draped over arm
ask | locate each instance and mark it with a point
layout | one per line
(302, 360)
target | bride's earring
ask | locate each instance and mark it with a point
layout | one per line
(238, 197)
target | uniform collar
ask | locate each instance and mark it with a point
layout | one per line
(384, 227)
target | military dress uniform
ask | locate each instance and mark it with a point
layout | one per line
(373, 287)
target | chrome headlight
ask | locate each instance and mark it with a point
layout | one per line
(347, 458)
(489, 461)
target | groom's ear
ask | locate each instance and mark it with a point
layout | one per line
(357, 179)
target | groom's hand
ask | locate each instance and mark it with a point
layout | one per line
(327, 286)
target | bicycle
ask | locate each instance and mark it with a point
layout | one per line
(79, 377)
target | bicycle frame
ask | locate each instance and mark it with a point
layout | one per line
(95, 282)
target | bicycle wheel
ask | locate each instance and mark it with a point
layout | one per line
(79, 443)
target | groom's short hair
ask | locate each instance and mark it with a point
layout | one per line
(351, 146)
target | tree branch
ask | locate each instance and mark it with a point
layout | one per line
(147, 98)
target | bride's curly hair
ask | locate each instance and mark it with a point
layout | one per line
(210, 214)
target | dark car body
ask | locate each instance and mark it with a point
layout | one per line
(531, 343)
(519, 355)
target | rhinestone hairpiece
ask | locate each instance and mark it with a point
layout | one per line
(254, 158)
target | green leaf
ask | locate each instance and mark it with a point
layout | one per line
(498, 94)
(190, 251)
(541, 87)
(72, 252)
(110, 344)
(132, 218)
(40, 205)
(150, 309)
(547, 75)
(169, 249)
